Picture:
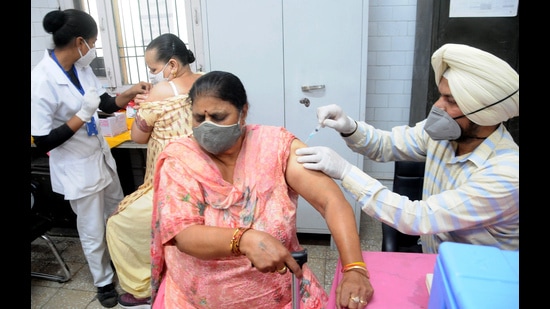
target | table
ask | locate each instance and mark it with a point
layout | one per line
(398, 279)
(121, 147)
(124, 140)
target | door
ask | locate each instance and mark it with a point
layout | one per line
(277, 48)
(324, 64)
(245, 38)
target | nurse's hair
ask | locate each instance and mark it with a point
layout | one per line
(69, 24)
(221, 85)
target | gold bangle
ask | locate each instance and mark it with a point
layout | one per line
(236, 240)
(355, 264)
(233, 240)
(354, 267)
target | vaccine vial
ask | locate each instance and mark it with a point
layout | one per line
(130, 111)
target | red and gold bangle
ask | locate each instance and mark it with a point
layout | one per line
(236, 240)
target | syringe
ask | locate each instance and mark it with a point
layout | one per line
(317, 128)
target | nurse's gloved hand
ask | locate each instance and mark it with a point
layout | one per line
(333, 116)
(90, 103)
(323, 159)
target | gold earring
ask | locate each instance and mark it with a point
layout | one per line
(174, 75)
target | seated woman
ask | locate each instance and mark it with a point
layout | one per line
(163, 114)
(224, 214)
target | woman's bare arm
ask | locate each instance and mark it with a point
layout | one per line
(324, 194)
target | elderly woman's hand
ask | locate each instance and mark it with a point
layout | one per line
(268, 254)
(354, 290)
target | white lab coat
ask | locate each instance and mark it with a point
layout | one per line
(77, 167)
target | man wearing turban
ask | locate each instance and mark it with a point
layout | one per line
(471, 181)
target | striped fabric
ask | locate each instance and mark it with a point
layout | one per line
(472, 198)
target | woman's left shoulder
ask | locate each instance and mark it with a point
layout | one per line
(267, 129)
(274, 132)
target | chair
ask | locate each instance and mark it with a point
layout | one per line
(40, 225)
(408, 180)
(50, 204)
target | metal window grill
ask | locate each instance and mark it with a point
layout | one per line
(136, 23)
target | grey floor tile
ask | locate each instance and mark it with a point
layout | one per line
(40, 294)
(66, 298)
(80, 293)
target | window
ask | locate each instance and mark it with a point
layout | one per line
(127, 26)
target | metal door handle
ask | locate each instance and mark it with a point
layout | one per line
(312, 87)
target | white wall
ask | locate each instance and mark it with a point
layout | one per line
(389, 75)
(390, 64)
(40, 40)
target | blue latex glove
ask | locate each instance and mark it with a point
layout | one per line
(323, 159)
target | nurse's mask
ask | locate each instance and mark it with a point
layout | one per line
(85, 60)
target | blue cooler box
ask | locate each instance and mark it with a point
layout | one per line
(474, 276)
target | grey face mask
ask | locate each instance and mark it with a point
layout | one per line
(216, 138)
(440, 126)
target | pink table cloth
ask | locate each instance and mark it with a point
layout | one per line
(398, 279)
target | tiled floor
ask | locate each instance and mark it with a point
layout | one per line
(79, 292)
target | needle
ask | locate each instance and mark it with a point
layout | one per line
(317, 128)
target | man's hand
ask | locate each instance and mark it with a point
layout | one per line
(325, 160)
(333, 116)
(90, 103)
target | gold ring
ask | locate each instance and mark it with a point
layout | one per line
(282, 270)
(355, 299)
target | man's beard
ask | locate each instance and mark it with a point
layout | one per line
(469, 133)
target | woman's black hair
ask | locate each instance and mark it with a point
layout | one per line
(221, 85)
(69, 24)
(169, 45)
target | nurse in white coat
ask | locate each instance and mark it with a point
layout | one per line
(64, 102)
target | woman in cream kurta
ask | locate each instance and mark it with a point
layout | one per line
(129, 228)
(163, 115)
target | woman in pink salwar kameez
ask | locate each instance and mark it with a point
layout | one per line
(224, 216)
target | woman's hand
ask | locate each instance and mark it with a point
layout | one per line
(267, 253)
(354, 290)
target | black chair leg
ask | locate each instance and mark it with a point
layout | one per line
(407, 180)
(389, 238)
